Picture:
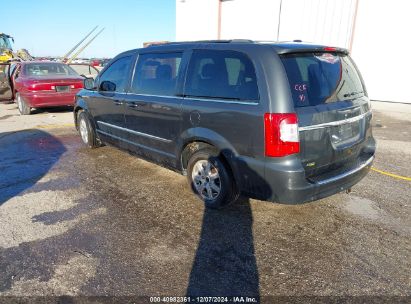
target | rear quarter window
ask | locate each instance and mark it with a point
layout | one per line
(320, 78)
(221, 74)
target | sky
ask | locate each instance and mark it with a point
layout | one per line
(53, 27)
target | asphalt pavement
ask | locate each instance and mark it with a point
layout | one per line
(81, 222)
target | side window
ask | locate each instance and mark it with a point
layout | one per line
(114, 79)
(221, 74)
(156, 74)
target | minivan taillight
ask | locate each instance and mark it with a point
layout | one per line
(281, 134)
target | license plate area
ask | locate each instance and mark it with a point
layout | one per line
(346, 132)
(62, 88)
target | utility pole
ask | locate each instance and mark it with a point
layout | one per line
(219, 18)
(279, 20)
(353, 25)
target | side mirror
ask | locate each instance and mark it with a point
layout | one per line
(107, 86)
(89, 84)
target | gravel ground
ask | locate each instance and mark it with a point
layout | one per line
(80, 222)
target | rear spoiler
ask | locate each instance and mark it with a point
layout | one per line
(326, 49)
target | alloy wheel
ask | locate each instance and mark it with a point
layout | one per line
(206, 179)
(84, 130)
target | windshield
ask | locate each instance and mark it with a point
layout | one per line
(319, 78)
(48, 69)
(5, 43)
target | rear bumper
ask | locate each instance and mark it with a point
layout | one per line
(286, 182)
(49, 99)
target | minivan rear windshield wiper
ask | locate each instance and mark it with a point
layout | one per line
(353, 93)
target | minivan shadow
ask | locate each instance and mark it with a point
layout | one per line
(225, 263)
(26, 156)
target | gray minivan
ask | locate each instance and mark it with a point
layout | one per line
(285, 122)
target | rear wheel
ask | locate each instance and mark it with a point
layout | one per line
(210, 179)
(24, 108)
(87, 131)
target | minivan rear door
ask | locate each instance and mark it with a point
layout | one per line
(332, 107)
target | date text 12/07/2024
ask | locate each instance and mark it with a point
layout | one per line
(203, 299)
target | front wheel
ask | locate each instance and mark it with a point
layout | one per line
(24, 108)
(87, 131)
(210, 179)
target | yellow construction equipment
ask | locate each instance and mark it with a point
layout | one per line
(6, 50)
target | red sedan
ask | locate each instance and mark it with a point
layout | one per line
(38, 84)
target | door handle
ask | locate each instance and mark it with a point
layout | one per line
(118, 102)
(134, 104)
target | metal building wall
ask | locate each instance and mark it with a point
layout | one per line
(196, 19)
(381, 47)
(379, 39)
(320, 21)
(326, 22)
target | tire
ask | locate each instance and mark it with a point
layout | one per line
(210, 179)
(87, 131)
(22, 105)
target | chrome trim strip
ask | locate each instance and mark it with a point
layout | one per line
(250, 103)
(345, 174)
(253, 103)
(134, 132)
(334, 123)
(152, 95)
(136, 144)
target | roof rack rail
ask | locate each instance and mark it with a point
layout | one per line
(200, 41)
(241, 40)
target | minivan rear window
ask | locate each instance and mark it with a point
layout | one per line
(320, 78)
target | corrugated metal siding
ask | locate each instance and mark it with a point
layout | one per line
(326, 22)
(380, 25)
